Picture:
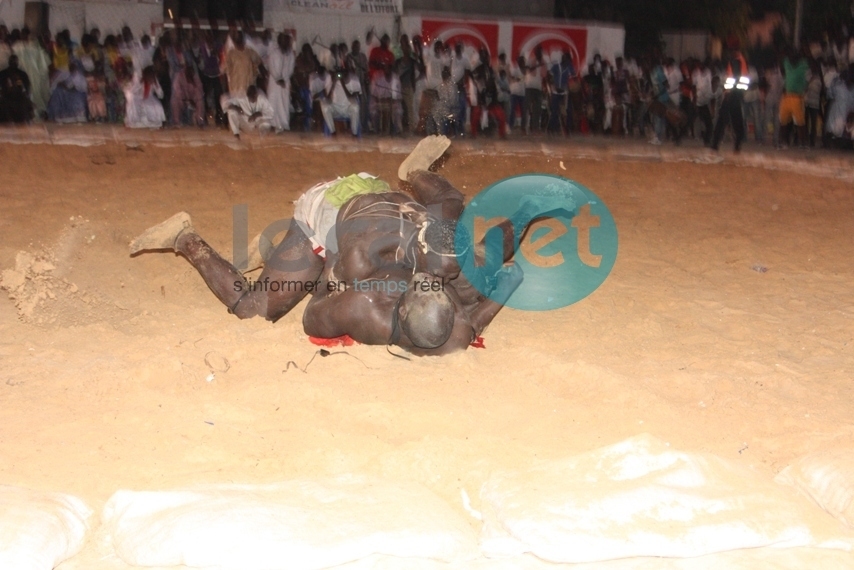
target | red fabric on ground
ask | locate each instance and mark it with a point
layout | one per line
(343, 340)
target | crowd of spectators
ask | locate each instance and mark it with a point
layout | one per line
(259, 81)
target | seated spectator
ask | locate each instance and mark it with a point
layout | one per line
(386, 98)
(15, 104)
(67, 102)
(248, 112)
(96, 100)
(187, 95)
(341, 92)
(142, 101)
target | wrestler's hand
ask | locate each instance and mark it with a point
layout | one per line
(507, 280)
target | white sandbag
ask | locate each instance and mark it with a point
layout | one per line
(39, 530)
(828, 478)
(641, 498)
(291, 525)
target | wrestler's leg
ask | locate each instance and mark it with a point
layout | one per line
(295, 269)
(177, 234)
(293, 262)
(430, 189)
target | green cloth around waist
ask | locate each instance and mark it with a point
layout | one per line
(354, 185)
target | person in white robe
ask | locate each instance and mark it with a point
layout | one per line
(143, 109)
(249, 112)
(35, 62)
(282, 62)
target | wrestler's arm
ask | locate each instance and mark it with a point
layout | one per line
(349, 312)
(508, 280)
(431, 189)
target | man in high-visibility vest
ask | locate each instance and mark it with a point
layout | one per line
(736, 83)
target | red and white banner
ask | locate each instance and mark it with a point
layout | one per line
(555, 41)
(472, 34)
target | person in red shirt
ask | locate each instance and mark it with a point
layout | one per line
(381, 57)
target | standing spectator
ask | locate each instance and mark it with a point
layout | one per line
(483, 97)
(241, 66)
(535, 69)
(210, 74)
(702, 93)
(752, 104)
(357, 61)
(380, 57)
(444, 112)
(503, 85)
(406, 68)
(304, 67)
(795, 69)
(116, 73)
(459, 64)
(773, 95)
(420, 82)
(812, 101)
(262, 46)
(5, 47)
(594, 98)
(659, 106)
(282, 62)
(434, 65)
(674, 81)
(33, 61)
(188, 93)
(560, 114)
(140, 53)
(517, 92)
(734, 88)
(163, 62)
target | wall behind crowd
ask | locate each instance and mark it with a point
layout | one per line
(328, 25)
(306, 26)
(77, 16)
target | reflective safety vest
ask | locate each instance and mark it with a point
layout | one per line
(743, 80)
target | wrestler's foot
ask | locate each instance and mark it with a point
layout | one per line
(424, 155)
(163, 235)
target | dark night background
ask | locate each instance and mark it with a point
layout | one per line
(645, 19)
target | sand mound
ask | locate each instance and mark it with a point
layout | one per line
(41, 290)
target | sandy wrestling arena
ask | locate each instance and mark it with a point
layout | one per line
(725, 327)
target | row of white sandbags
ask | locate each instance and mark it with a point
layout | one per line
(638, 498)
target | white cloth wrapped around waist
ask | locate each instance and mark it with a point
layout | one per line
(316, 216)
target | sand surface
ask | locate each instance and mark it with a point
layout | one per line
(105, 358)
